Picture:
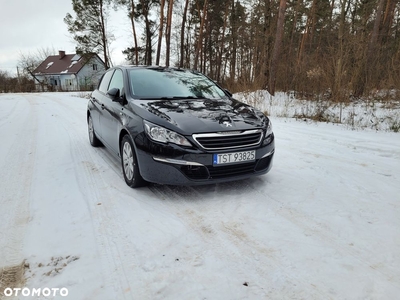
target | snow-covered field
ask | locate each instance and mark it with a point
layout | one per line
(374, 113)
(323, 224)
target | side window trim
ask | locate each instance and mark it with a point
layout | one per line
(118, 72)
(111, 72)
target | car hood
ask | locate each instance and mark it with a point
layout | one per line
(201, 115)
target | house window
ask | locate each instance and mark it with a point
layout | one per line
(94, 67)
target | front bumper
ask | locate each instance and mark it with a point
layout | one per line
(197, 168)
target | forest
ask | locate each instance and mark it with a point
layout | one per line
(336, 49)
(339, 48)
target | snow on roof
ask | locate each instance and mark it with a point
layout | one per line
(49, 64)
(72, 63)
(69, 63)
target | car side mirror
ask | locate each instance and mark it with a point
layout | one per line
(114, 94)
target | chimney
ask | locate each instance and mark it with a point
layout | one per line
(61, 54)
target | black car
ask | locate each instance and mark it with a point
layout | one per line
(177, 126)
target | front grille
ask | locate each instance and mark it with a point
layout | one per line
(227, 140)
(231, 170)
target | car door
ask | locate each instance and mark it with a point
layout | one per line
(99, 97)
(111, 117)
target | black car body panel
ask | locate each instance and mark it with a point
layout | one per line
(201, 122)
(202, 115)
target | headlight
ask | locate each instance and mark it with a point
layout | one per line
(164, 135)
(269, 129)
(268, 134)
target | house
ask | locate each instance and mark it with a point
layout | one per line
(68, 72)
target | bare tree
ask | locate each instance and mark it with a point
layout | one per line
(28, 62)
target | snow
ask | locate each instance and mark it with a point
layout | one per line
(72, 64)
(375, 114)
(49, 65)
(323, 224)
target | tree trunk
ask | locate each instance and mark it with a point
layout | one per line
(148, 54)
(160, 32)
(200, 38)
(234, 43)
(183, 33)
(369, 63)
(337, 85)
(277, 47)
(104, 37)
(132, 18)
(168, 31)
(221, 46)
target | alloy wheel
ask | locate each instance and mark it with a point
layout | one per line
(128, 161)
(90, 129)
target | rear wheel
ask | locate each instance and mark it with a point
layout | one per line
(130, 167)
(94, 141)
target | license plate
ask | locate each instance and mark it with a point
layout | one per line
(234, 157)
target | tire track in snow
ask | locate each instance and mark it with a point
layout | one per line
(9, 113)
(327, 236)
(15, 185)
(256, 263)
(115, 254)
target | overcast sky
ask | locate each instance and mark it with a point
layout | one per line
(28, 25)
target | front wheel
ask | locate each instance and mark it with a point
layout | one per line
(94, 141)
(130, 167)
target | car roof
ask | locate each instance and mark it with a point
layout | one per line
(132, 67)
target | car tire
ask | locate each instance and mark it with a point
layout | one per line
(130, 167)
(94, 141)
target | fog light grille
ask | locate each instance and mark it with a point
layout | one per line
(195, 172)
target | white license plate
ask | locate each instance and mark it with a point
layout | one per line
(234, 157)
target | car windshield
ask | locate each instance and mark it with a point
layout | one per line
(161, 83)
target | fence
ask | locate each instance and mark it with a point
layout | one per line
(64, 88)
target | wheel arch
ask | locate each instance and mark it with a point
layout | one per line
(122, 133)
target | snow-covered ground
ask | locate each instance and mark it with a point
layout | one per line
(323, 224)
(374, 113)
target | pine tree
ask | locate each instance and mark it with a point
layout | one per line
(89, 28)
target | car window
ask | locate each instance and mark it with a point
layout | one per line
(103, 87)
(157, 83)
(117, 81)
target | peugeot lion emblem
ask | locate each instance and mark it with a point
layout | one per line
(227, 124)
